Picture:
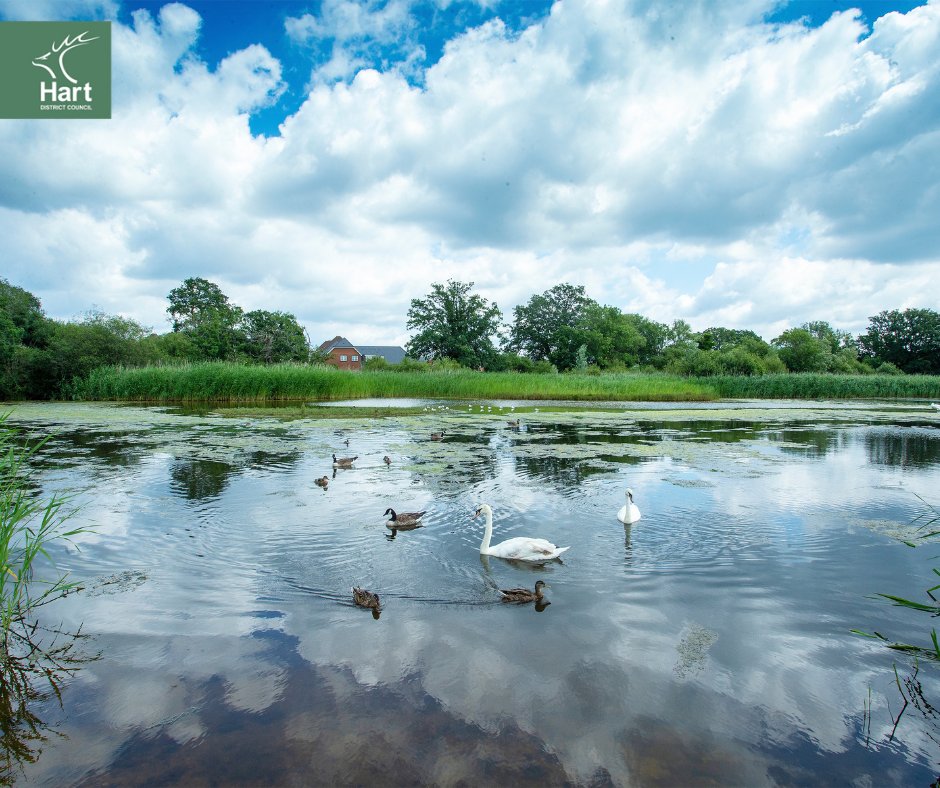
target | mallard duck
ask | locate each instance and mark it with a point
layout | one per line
(521, 595)
(344, 462)
(437, 436)
(520, 548)
(323, 481)
(403, 519)
(629, 513)
(387, 460)
(365, 598)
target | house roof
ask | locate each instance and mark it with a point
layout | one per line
(336, 342)
(393, 354)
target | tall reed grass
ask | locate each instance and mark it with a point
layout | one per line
(823, 386)
(27, 526)
(226, 382)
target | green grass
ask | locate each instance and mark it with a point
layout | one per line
(226, 382)
(27, 527)
(820, 386)
(241, 383)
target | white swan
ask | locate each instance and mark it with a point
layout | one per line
(520, 548)
(935, 406)
(629, 513)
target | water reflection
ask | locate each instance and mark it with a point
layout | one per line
(913, 449)
(198, 480)
(34, 663)
(709, 644)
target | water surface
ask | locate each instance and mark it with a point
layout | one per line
(708, 643)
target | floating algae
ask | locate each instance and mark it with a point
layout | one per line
(693, 649)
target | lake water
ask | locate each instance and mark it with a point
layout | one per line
(707, 644)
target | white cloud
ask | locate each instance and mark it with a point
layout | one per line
(689, 162)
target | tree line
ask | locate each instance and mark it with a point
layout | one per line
(559, 330)
(563, 329)
(41, 358)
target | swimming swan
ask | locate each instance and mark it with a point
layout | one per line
(520, 548)
(629, 513)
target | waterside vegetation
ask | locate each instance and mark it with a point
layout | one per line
(232, 382)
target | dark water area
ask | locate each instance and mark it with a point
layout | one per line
(709, 643)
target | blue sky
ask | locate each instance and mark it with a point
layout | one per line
(748, 164)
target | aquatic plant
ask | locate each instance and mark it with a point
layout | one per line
(27, 527)
(926, 532)
(28, 650)
(811, 385)
(232, 382)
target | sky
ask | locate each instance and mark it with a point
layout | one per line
(751, 164)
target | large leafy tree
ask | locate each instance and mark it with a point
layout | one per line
(273, 336)
(24, 336)
(453, 322)
(722, 339)
(611, 338)
(200, 310)
(910, 340)
(801, 351)
(551, 325)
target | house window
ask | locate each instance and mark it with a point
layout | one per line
(343, 357)
(355, 358)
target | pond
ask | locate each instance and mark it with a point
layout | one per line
(709, 643)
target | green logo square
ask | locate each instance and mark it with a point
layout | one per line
(55, 69)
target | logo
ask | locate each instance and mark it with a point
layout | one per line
(55, 69)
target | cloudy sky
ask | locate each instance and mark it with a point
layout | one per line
(749, 164)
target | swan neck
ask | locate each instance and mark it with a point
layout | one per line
(488, 533)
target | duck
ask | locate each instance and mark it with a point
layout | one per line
(387, 460)
(365, 598)
(323, 481)
(513, 423)
(344, 462)
(437, 436)
(519, 548)
(629, 513)
(523, 595)
(403, 519)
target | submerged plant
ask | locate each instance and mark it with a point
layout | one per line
(926, 532)
(27, 526)
(31, 655)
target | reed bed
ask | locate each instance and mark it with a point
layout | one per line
(821, 386)
(227, 382)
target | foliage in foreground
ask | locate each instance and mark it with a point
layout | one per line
(34, 658)
(27, 526)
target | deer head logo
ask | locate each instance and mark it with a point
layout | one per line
(61, 49)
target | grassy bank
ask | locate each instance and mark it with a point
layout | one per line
(233, 383)
(222, 382)
(818, 386)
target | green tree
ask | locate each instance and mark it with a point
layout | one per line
(654, 336)
(550, 326)
(24, 336)
(910, 340)
(453, 323)
(802, 352)
(271, 337)
(199, 309)
(611, 337)
(723, 339)
(98, 340)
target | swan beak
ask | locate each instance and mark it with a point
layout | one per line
(476, 514)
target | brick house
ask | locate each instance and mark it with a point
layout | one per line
(341, 353)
